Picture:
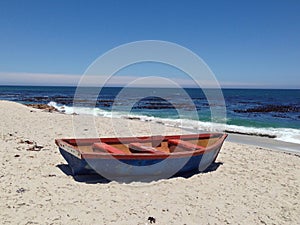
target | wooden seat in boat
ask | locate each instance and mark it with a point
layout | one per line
(102, 147)
(139, 148)
(184, 145)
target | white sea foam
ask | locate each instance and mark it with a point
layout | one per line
(282, 134)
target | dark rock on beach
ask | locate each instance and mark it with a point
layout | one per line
(27, 142)
(44, 107)
(21, 190)
(35, 148)
(151, 219)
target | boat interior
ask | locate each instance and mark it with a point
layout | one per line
(150, 145)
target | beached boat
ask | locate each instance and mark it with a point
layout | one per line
(141, 158)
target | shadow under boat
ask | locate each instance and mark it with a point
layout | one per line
(96, 178)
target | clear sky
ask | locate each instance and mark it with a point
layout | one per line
(245, 43)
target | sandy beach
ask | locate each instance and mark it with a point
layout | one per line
(252, 185)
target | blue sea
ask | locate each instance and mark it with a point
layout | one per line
(262, 112)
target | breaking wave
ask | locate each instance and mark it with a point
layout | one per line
(283, 134)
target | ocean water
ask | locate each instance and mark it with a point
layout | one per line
(265, 112)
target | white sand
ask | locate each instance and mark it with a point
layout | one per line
(251, 186)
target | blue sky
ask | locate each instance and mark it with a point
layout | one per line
(245, 43)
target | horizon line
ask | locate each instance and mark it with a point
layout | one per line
(73, 80)
(187, 87)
